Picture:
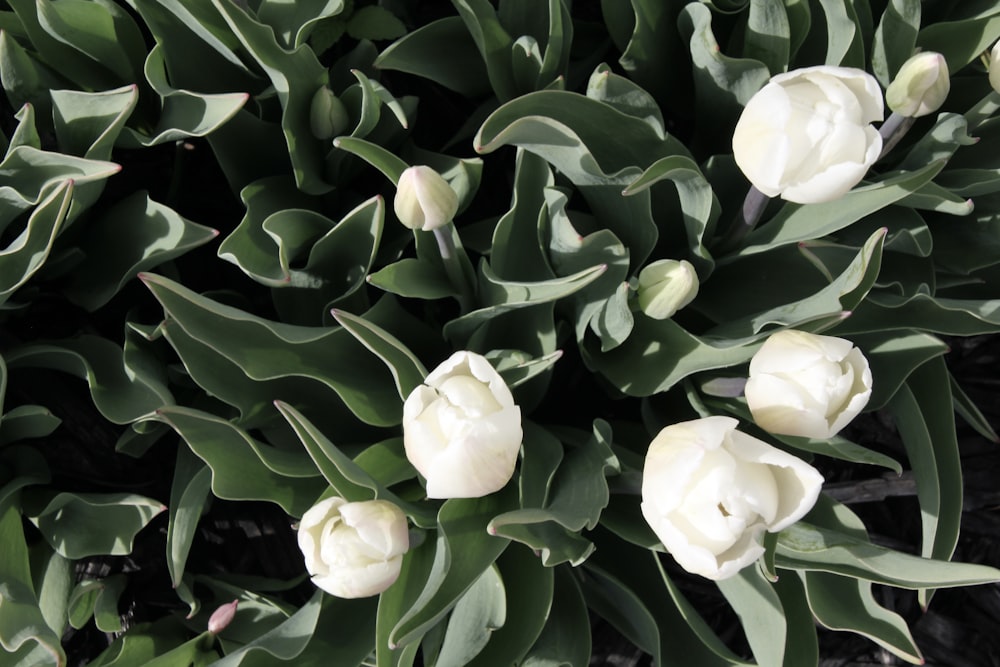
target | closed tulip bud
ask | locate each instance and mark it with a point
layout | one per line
(424, 200)
(327, 114)
(807, 385)
(353, 549)
(710, 491)
(807, 135)
(920, 87)
(666, 286)
(222, 617)
(995, 67)
(462, 429)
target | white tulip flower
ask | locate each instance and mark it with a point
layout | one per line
(353, 549)
(709, 492)
(807, 134)
(461, 428)
(807, 385)
(920, 87)
(995, 67)
(424, 200)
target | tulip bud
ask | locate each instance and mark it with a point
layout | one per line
(710, 491)
(461, 428)
(222, 617)
(424, 200)
(665, 287)
(807, 385)
(920, 87)
(327, 114)
(353, 549)
(995, 67)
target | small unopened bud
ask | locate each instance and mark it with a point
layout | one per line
(327, 114)
(995, 67)
(920, 87)
(424, 200)
(222, 617)
(666, 286)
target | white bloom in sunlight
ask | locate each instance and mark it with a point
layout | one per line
(807, 134)
(995, 67)
(424, 200)
(461, 428)
(666, 286)
(920, 87)
(807, 385)
(709, 492)
(353, 550)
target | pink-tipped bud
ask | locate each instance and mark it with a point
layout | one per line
(222, 617)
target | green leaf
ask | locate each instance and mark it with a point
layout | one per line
(761, 615)
(293, 22)
(565, 638)
(134, 235)
(959, 317)
(529, 588)
(88, 124)
(893, 356)
(843, 603)
(26, 253)
(804, 222)
(575, 494)
(895, 38)
(22, 625)
(805, 547)
(296, 76)
(244, 468)
(189, 492)
(375, 23)
(78, 525)
(348, 479)
(397, 600)
(480, 611)
(844, 39)
(925, 418)
(123, 384)
(285, 642)
(373, 154)
(801, 642)
(274, 353)
(463, 551)
(406, 369)
(493, 42)
(459, 67)
(183, 113)
(26, 80)
(961, 41)
(767, 37)
(511, 295)
(699, 204)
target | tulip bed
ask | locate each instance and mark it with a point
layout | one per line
(415, 332)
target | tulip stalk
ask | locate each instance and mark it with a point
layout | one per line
(750, 213)
(893, 130)
(453, 267)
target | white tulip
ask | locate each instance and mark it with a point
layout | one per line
(709, 492)
(424, 200)
(995, 67)
(666, 286)
(353, 550)
(807, 385)
(461, 428)
(807, 134)
(920, 87)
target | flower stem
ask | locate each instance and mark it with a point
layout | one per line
(453, 267)
(892, 130)
(753, 207)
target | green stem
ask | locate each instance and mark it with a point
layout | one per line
(753, 208)
(453, 267)
(892, 130)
